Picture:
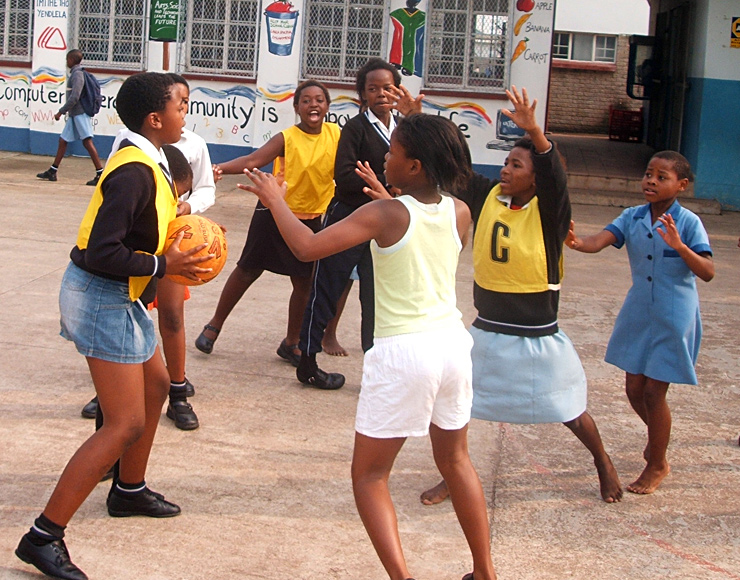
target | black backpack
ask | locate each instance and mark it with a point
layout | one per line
(91, 98)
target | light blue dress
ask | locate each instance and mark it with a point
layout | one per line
(658, 330)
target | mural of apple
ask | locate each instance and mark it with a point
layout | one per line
(525, 5)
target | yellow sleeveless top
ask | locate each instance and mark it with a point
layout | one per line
(309, 168)
(165, 203)
(509, 248)
(415, 277)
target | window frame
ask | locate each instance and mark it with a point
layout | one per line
(344, 74)
(595, 38)
(13, 28)
(556, 38)
(138, 59)
(187, 46)
(605, 49)
(469, 36)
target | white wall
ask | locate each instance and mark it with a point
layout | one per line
(712, 56)
(603, 16)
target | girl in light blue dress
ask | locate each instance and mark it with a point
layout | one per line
(657, 333)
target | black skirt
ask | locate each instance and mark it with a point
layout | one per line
(265, 248)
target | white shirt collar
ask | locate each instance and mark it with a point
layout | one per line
(380, 125)
(147, 147)
(506, 200)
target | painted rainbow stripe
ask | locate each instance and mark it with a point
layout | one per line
(277, 94)
(466, 109)
(15, 77)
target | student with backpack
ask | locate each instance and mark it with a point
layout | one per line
(78, 126)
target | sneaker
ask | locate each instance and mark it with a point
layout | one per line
(90, 410)
(48, 175)
(181, 412)
(145, 503)
(52, 559)
(93, 181)
(320, 379)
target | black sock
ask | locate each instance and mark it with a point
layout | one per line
(177, 391)
(128, 489)
(44, 531)
(53, 169)
(307, 366)
(99, 172)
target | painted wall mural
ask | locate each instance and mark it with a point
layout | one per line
(231, 115)
(407, 45)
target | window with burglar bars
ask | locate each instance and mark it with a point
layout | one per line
(16, 29)
(340, 35)
(109, 33)
(467, 44)
(222, 37)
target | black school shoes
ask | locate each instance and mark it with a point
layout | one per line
(52, 559)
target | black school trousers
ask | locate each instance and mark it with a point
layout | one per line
(330, 278)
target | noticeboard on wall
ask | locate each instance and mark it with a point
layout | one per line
(164, 18)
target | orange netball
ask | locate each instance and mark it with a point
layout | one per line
(198, 230)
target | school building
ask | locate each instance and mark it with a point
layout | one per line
(244, 58)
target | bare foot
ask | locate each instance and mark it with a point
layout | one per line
(646, 453)
(437, 494)
(611, 487)
(649, 479)
(330, 345)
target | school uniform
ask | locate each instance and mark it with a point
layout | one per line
(363, 138)
(117, 257)
(194, 148)
(658, 330)
(78, 126)
(525, 369)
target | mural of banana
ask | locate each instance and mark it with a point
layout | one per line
(520, 23)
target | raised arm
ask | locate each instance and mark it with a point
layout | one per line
(375, 220)
(589, 244)
(374, 189)
(524, 117)
(404, 102)
(275, 147)
(700, 264)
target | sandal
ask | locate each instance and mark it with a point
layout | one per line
(287, 352)
(205, 344)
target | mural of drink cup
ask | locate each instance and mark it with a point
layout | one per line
(281, 24)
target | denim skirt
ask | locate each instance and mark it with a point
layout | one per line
(99, 317)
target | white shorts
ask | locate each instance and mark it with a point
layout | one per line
(412, 380)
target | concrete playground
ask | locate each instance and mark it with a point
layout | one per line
(264, 482)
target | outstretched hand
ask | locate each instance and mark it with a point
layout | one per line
(404, 102)
(571, 240)
(375, 189)
(523, 113)
(670, 235)
(217, 173)
(265, 186)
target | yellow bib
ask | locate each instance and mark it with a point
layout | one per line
(165, 203)
(509, 249)
(308, 168)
